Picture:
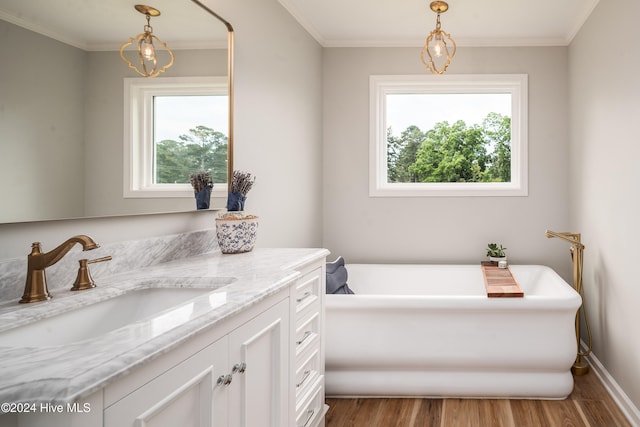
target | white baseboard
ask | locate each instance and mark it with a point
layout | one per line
(617, 394)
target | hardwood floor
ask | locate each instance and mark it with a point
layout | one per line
(589, 405)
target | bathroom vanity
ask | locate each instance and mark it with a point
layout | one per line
(247, 350)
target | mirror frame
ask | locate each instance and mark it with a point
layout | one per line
(230, 56)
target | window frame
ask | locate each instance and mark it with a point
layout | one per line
(381, 85)
(138, 132)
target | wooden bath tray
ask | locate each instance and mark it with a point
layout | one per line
(499, 282)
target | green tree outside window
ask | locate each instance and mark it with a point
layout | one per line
(452, 152)
(203, 149)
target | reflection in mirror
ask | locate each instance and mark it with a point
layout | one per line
(62, 102)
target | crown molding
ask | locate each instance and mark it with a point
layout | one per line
(42, 30)
(106, 46)
(580, 21)
(295, 12)
(474, 42)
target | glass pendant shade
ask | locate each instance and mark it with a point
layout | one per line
(146, 49)
(438, 46)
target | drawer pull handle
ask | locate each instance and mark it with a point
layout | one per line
(224, 380)
(304, 377)
(304, 296)
(304, 337)
(310, 413)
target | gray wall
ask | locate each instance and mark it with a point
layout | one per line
(278, 120)
(42, 84)
(444, 229)
(604, 65)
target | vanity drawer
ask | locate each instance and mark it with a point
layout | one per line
(307, 334)
(308, 364)
(311, 410)
(308, 291)
(307, 371)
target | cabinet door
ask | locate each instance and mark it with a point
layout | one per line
(185, 395)
(260, 349)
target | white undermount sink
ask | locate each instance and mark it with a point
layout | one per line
(167, 307)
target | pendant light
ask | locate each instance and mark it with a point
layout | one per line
(439, 47)
(147, 47)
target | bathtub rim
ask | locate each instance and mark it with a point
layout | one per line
(566, 296)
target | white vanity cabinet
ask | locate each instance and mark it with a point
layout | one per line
(259, 366)
(185, 395)
(239, 380)
(307, 355)
(258, 351)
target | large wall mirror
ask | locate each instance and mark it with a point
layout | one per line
(62, 101)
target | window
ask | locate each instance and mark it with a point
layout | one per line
(448, 135)
(174, 127)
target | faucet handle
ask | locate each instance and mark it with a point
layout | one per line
(84, 279)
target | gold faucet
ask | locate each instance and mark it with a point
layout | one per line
(84, 279)
(35, 288)
(573, 238)
(580, 367)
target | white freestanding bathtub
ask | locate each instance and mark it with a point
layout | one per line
(430, 330)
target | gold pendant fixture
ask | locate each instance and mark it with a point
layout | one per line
(439, 47)
(144, 48)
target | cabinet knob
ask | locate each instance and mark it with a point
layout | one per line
(239, 368)
(224, 380)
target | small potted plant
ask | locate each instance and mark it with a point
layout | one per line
(241, 183)
(496, 252)
(202, 184)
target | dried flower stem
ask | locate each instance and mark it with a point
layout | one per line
(200, 180)
(241, 182)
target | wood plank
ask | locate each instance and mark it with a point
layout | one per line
(589, 387)
(460, 412)
(596, 413)
(563, 413)
(496, 413)
(365, 412)
(500, 282)
(341, 412)
(528, 413)
(397, 412)
(426, 413)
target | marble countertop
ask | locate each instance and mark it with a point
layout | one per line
(65, 373)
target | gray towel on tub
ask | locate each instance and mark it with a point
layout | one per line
(337, 277)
